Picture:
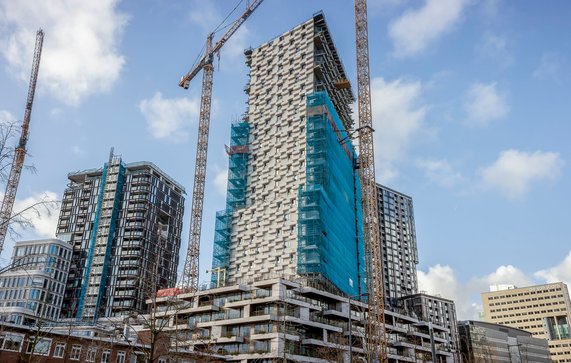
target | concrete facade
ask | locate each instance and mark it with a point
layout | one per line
(543, 310)
(32, 286)
(124, 222)
(277, 320)
(264, 233)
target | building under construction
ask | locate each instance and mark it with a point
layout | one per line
(293, 202)
(288, 277)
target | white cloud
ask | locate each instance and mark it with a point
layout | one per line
(39, 221)
(441, 280)
(484, 103)
(416, 29)
(80, 55)
(513, 173)
(440, 172)
(550, 67)
(6, 117)
(168, 118)
(561, 272)
(397, 119)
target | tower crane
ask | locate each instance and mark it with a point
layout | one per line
(376, 339)
(190, 273)
(20, 151)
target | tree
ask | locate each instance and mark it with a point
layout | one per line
(24, 218)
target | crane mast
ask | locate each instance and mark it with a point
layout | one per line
(376, 339)
(20, 151)
(191, 265)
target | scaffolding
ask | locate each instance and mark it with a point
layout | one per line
(330, 239)
(238, 154)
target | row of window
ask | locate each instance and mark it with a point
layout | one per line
(13, 342)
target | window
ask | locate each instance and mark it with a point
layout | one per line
(12, 342)
(91, 354)
(40, 346)
(75, 352)
(120, 357)
(59, 350)
(105, 357)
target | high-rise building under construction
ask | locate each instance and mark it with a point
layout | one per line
(124, 223)
(293, 203)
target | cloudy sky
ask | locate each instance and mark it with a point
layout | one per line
(472, 105)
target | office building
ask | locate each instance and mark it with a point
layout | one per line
(293, 203)
(487, 342)
(398, 241)
(124, 222)
(32, 286)
(543, 310)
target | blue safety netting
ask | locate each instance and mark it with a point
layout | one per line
(330, 241)
(236, 194)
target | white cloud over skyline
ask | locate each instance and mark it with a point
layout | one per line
(39, 212)
(169, 118)
(485, 103)
(560, 272)
(417, 29)
(442, 280)
(80, 56)
(514, 171)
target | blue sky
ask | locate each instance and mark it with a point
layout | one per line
(471, 105)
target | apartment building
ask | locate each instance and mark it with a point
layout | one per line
(32, 286)
(435, 310)
(398, 241)
(278, 320)
(543, 310)
(124, 223)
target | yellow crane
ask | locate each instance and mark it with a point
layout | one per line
(191, 271)
(20, 151)
(376, 338)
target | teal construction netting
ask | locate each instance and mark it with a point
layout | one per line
(236, 194)
(330, 241)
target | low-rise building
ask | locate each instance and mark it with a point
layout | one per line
(46, 344)
(277, 319)
(487, 342)
(32, 286)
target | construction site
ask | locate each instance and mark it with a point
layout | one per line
(299, 262)
(297, 271)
